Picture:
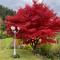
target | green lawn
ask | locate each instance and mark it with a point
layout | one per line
(6, 52)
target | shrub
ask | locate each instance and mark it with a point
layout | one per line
(45, 49)
(55, 50)
(50, 51)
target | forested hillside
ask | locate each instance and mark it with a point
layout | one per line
(4, 11)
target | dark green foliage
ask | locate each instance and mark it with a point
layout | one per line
(2, 36)
(45, 49)
(3, 27)
(49, 51)
(5, 11)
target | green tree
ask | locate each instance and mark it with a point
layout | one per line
(4, 11)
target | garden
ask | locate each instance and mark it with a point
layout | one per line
(33, 33)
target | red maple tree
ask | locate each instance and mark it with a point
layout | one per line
(35, 22)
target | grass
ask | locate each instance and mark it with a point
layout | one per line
(6, 52)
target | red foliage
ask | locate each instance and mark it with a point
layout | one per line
(34, 21)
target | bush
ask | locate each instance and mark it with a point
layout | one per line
(1, 36)
(55, 50)
(45, 49)
(50, 51)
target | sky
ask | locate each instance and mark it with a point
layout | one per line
(16, 4)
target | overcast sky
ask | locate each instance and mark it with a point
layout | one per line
(16, 4)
